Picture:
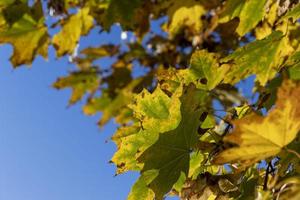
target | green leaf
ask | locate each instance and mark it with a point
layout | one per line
(196, 160)
(248, 184)
(294, 66)
(249, 13)
(199, 164)
(76, 25)
(262, 58)
(131, 142)
(81, 82)
(294, 72)
(158, 112)
(180, 182)
(209, 122)
(204, 70)
(170, 155)
(123, 12)
(151, 110)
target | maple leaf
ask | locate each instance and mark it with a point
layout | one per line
(80, 82)
(140, 190)
(157, 108)
(260, 137)
(254, 59)
(76, 25)
(132, 141)
(111, 106)
(27, 33)
(123, 12)
(204, 70)
(186, 17)
(170, 154)
(249, 13)
(151, 109)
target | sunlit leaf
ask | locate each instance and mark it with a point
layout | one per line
(158, 108)
(187, 17)
(131, 142)
(76, 25)
(140, 191)
(265, 28)
(260, 137)
(204, 70)
(249, 13)
(170, 155)
(28, 35)
(242, 111)
(180, 182)
(262, 57)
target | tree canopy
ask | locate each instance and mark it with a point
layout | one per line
(164, 84)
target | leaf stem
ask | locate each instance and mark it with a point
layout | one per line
(293, 152)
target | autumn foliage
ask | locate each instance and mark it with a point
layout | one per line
(170, 127)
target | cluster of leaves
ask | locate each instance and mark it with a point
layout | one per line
(170, 130)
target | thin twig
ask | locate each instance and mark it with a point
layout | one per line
(267, 176)
(293, 152)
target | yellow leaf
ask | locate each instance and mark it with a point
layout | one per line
(79, 24)
(140, 191)
(242, 111)
(260, 137)
(28, 37)
(267, 24)
(189, 17)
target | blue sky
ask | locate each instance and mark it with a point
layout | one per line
(49, 151)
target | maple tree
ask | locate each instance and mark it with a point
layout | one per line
(169, 127)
